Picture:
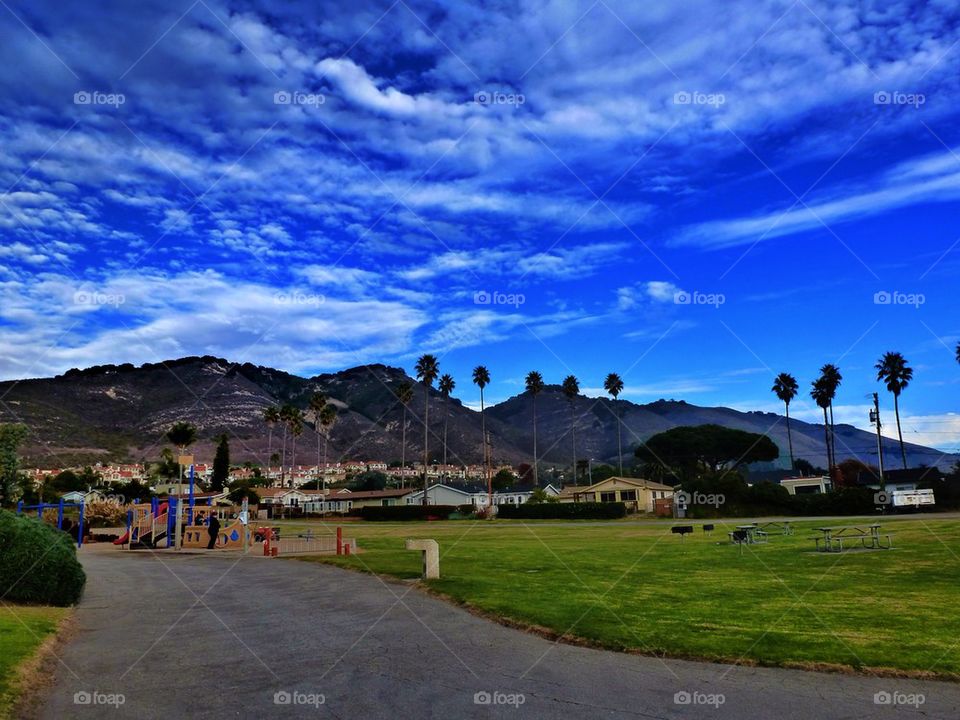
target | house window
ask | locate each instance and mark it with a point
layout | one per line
(628, 495)
(608, 497)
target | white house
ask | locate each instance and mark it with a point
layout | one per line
(520, 494)
(807, 485)
(439, 494)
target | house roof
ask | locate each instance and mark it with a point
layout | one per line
(639, 483)
(373, 494)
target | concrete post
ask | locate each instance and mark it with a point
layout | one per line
(431, 557)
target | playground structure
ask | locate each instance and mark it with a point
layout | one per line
(60, 507)
(229, 536)
(153, 523)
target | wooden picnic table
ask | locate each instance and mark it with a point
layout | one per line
(833, 537)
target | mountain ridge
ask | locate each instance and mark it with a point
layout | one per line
(119, 413)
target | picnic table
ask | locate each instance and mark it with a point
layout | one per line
(751, 534)
(833, 538)
(784, 525)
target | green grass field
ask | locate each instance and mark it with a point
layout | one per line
(630, 585)
(22, 630)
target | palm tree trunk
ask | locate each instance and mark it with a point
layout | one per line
(269, 448)
(789, 437)
(426, 425)
(446, 419)
(316, 428)
(283, 458)
(403, 449)
(293, 458)
(324, 467)
(896, 410)
(486, 455)
(619, 445)
(826, 442)
(573, 432)
(833, 435)
(536, 478)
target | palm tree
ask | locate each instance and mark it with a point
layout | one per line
(183, 435)
(404, 393)
(446, 386)
(271, 416)
(571, 388)
(328, 416)
(535, 386)
(893, 370)
(821, 396)
(296, 429)
(481, 378)
(427, 370)
(318, 401)
(785, 386)
(832, 377)
(613, 384)
(287, 412)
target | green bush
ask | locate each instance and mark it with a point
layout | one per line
(563, 511)
(405, 512)
(38, 563)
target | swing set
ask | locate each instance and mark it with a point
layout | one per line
(60, 507)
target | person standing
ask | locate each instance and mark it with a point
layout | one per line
(213, 529)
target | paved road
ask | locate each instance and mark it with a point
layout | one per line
(215, 637)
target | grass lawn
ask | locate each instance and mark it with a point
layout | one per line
(632, 585)
(22, 629)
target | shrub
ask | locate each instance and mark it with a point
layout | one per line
(563, 511)
(405, 512)
(104, 513)
(38, 563)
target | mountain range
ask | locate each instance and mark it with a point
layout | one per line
(116, 413)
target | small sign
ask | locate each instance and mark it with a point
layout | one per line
(185, 460)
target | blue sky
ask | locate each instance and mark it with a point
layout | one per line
(696, 195)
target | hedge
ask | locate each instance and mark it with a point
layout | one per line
(38, 563)
(563, 511)
(405, 512)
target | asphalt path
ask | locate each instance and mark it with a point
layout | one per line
(160, 635)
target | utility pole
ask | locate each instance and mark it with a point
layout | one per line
(875, 419)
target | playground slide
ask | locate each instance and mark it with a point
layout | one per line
(161, 511)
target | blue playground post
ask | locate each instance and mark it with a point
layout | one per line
(60, 516)
(79, 526)
(19, 506)
(190, 514)
(129, 526)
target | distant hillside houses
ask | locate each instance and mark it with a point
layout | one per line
(333, 473)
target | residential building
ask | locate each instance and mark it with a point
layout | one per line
(637, 494)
